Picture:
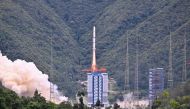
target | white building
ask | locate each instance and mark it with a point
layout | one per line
(97, 88)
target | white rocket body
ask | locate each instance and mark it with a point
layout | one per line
(94, 49)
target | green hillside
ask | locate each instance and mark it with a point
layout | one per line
(27, 26)
(150, 24)
(26, 31)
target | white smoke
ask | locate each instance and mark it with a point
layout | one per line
(24, 78)
(131, 103)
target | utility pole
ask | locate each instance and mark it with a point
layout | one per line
(170, 72)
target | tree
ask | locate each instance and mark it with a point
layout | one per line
(76, 106)
(2, 103)
(64, 105)
(37, 102)
(156, 104)
(80, 94)
(38, 97)
(116, 106)
(174, 104)
(81, 106)
(33, 105)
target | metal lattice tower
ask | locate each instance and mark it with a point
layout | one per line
(184, 75)
(50, 75)
(170, 72)
(137, 69)
(127, 85)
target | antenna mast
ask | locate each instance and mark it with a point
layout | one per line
(137, 69)
(50, 75)
(184, 76)
(127, 85)
(170, 75)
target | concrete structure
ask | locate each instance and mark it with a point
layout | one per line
(97, 88)
(97, 81)
(156, 83)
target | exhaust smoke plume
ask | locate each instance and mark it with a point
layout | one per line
(24, 78)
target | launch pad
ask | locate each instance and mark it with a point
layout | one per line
(97, 81)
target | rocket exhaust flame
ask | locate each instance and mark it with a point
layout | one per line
(24, 78)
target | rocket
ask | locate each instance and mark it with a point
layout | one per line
(94, 67)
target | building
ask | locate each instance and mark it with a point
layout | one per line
(97, 88)
(156, 83)
(97, 82)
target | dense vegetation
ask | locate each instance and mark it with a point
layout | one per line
(177, 98)
(10, 100)
(27, 26)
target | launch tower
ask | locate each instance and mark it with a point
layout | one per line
(156, 83)
(97, 81)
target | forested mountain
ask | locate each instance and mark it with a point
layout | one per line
(27, 26)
